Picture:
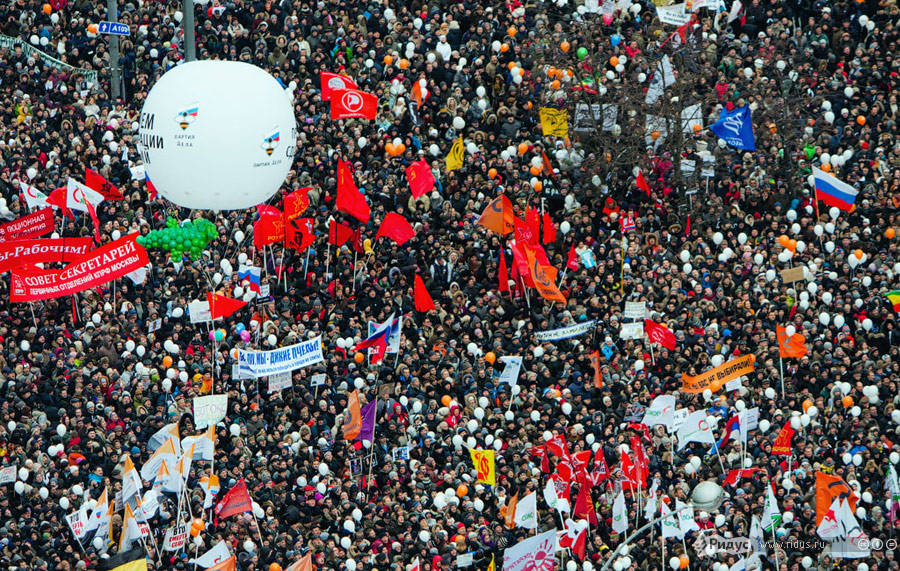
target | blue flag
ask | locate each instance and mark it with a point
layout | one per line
(736, 129)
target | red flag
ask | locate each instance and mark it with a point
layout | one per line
(296, 203)
(356, 242)
(353, 103)
(601, 470)
(782, 444)
(151, 189)
(395, 227)
(574, 538)
(236, 501)
(267, 210)
(661, 334)
(558, 446)
(524, 232)
(502, 273)
(734, 476)
(423, 299)
(95, 181)
(533, 221)
(420, 178)
(222, 306)
(572, 262)
(687, 225)
(58, 198)
(92, 212)
(269, 229)
(595, 364)
(338, 233)
(349, 198)
(299, 234)
(584, 505)
(541, 452)
(332, 82)
(549, 230)
(641, 182)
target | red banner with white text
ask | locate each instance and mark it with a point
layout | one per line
(37, 223)
(95, 268)
(18, 253)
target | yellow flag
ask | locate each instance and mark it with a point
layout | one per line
(554, 122)
(484, 463)
(492, 566)
(456, 155)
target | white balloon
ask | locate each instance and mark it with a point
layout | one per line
(458, 123)
(205, 147)
(63, 502)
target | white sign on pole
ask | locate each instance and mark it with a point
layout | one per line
(280, 381)
(176, 537)
(8, 474)
(510, 374)
(209, 410)
(317, 380)
(632, 330)
(199, 311)
(635, 310)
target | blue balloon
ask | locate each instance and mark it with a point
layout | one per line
(637, 19)
(239, 327)
(615, 39)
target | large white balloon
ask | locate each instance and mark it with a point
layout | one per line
(204, 147)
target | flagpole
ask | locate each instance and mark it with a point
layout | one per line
(355, 253)
(781, 371)
(33, 318)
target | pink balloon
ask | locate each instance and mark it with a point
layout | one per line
(245, 336)
(607, 19)
(212, 335)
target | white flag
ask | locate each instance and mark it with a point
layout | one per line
(34, 198)
(620, 514)
(650, 508)
(77, 194)
(829, 528)
(757, 539)
(850, 546)
(661, 411)
(526, 512)
(771, 515)
(538, 552)
(686, 517)
(162, 435)
(205, 444)
(78, 523)
(216, 555)
(670, 527)
(695, 429)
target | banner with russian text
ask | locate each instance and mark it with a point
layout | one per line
(37, 223)
(95, 268)
(283, 360)
(718, 376)
(18, 253)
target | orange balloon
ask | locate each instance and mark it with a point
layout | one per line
(403, 64)
(564, 46)
(551, 71)
(388, 60)
(806, 404)
(47, 8)
(683, 561)
(858, 254)
(504, 47)
(535, 170)
(826, 167)
(890, 233)
(773, 128)
(462, 490)
(167, 361)
(490, 357)
(697, 128)
(792, 245)
(555, 84)
(274, 567)
(861, 120)
(359, 358)
(401, 148)
(538, 186)
(445, 400)
(715, 386)
(847, 401)
(511, 65)
(523, 148)
(521, 71)
(655, 135)
(614, 61)
(512, 31)
(492, 173)
(92, 28)
(389, 148)
(783, 240)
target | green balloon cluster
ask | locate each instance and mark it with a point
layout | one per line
(190, 238)
(581, 53)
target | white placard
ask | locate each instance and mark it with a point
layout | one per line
(199, 311)
(8, 474)
(176, 537)
(635, 310)
(154, 325)
(632, 330)
(510, 374)
(565, 332)
(674, 15)
(280, 381)
(264, 290)
(317, 380)
(209, 410)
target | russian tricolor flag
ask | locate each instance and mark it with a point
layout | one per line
(834, 192)
(252, 274)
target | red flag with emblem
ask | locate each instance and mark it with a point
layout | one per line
(584, 505)
(572, 261)
(299, 234)
(353, 103)
(658, 333)
(349, 198)
(296, 203)
(95, 181)
(331, 82)
(420, 178)
(223, 306)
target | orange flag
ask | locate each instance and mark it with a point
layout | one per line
(498, 216)
(793, 347)
(595, 362)
(227, 565)
(353, 419)
(544, 277)
(304, 564)
(510, 520)
(827, 489)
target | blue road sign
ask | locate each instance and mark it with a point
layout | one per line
(114, 29)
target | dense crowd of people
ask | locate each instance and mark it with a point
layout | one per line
(81, 386)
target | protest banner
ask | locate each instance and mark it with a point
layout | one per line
(715, 379)
(176, 537)
(510, 374)
(285, 359)
(635, 310)
(32, 225)
(565, 332)
(18, 253)
(8, 474)
(280, 381)
(209, 410)
(632, 330)
(95, 268)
